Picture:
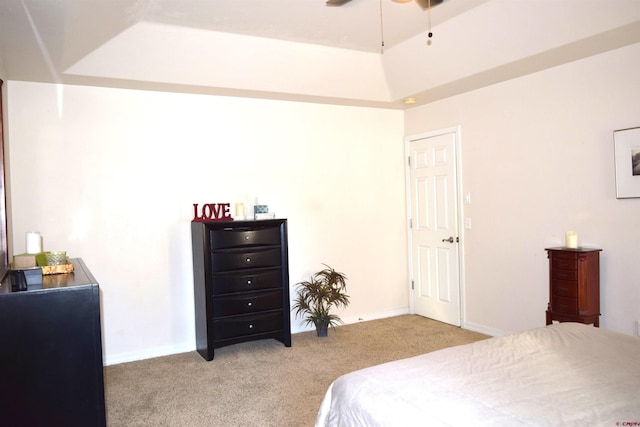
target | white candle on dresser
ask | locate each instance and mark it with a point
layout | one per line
(571, 240)
(33, 242)
(240, 210)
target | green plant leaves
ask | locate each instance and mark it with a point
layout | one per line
(326, 289)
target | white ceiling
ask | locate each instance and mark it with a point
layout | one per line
(301, 49)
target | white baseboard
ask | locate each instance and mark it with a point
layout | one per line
(375, 316)
(484, 329)
(298, 327)
(148, 354)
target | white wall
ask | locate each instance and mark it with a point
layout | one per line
(537, 155)
(111, 175)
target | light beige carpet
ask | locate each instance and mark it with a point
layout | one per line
(263, 383)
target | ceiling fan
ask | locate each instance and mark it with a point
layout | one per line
(424, 4)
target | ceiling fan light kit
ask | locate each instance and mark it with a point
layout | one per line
(424, 4)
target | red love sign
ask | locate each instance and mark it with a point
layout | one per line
(212, 212)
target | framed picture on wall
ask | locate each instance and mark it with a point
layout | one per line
(627, 158)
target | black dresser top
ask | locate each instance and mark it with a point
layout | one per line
(80, 276)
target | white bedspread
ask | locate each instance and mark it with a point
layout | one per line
(567, 374)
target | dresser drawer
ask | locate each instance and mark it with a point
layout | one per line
(239, 259)
(565, 288)
(252, 302)
(238, 326)
(565, 305)
(238, 237)
(245, 281)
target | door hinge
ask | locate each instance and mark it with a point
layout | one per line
(412, 285)
(410, 223)
(409, 160)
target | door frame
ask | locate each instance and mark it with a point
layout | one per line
(459, 213)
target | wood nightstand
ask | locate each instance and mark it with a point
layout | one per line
(574, 285)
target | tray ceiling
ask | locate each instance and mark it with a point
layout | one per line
(302, 49)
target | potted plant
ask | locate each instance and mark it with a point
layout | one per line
(316, 297)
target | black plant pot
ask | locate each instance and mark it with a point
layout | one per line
(322, 329)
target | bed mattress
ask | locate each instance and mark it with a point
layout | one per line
(566, 374)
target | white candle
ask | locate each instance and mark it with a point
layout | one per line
(33, 242)
(240, 210)
(571, 239)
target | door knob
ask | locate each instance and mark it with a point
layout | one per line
(450, 239)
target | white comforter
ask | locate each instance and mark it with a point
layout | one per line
(566, 374)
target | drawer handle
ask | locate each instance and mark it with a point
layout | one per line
(249, 304)
(249, 282)
(250, 326)
(246, 237)
(248, 259)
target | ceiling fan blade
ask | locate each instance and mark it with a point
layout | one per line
(337, 2)
(424, 4)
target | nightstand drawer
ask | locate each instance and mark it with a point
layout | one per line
(565, 288)
(237, 237)
(570, 275)
(241, 259)
(565, 305)
(246, 281)
(232, 327)
(558, 263)
(247, 303)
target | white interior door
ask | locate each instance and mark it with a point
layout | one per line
(433, 234)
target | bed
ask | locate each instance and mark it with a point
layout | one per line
(566, 374)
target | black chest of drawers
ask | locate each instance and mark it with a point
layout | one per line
(241, 283)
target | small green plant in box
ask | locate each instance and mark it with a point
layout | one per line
(51, 258)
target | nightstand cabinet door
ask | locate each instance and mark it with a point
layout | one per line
(241, 283)
(574, 285)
